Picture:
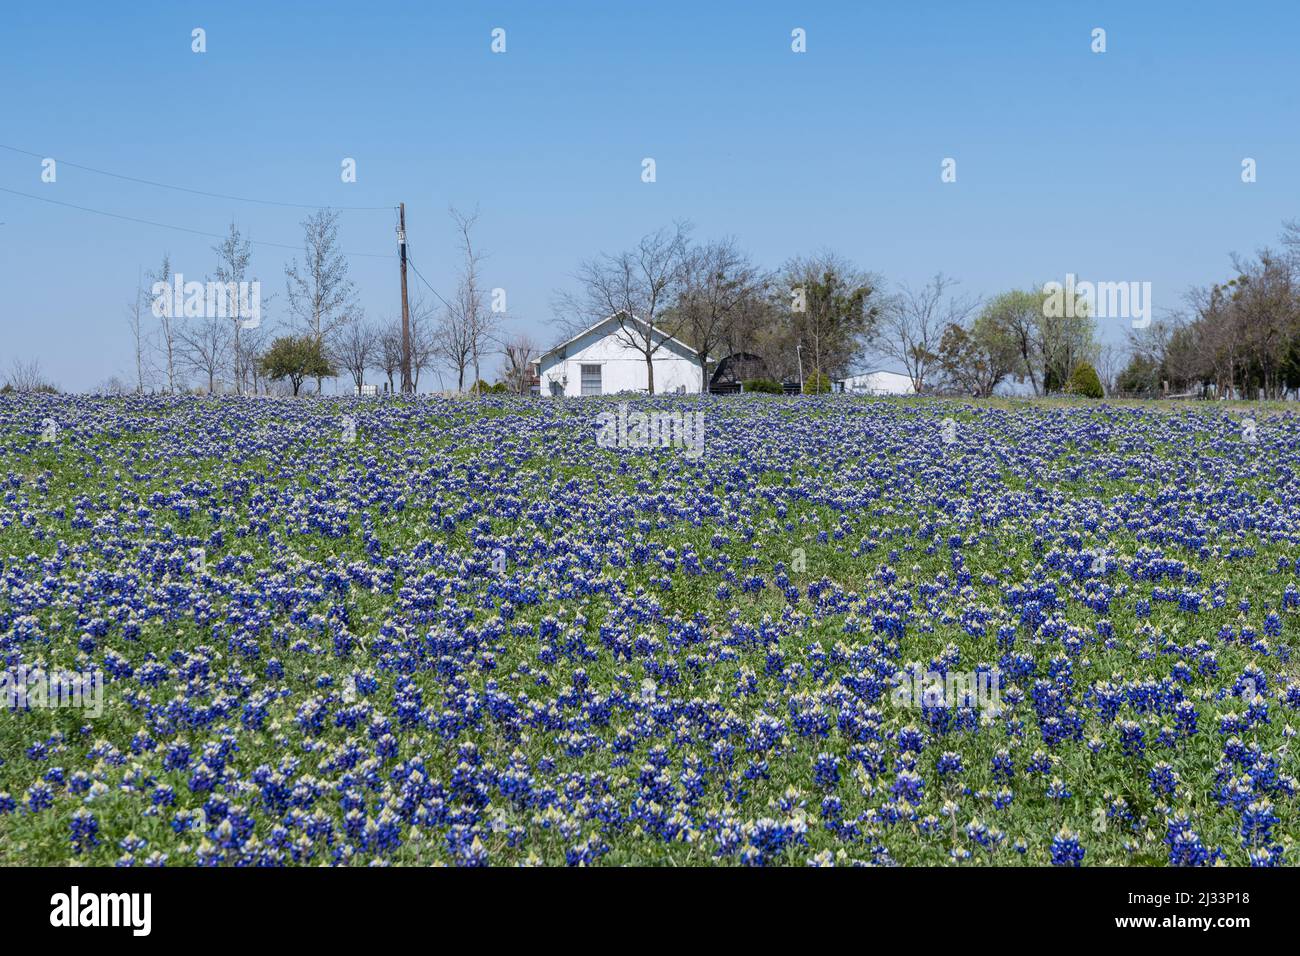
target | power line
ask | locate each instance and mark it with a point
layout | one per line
(411, 263)
(196, 192)
(164, 225)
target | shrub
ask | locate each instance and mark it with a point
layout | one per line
(816, 383)
(765, 385)
(1084, 381)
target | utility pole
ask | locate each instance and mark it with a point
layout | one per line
(406, 309)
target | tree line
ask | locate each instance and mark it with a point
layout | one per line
(1239, 336)
(819, 317)
(813, 319)
(326, 334)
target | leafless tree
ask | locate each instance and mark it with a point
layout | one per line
(203, 346)
(1111, 359)
(136, 311)
(233, 256)
(26, 376)
(113, 386)
(253, 343)
(636, 288)
(388, 355)
(451, 342)
(472, 322)
(718, 281)
(426, 342)
(321, 296)
(167, 322)
(357, 347)
(763, 327)
(519, 353)
(913, 322)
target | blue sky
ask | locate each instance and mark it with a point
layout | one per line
(1117, 166)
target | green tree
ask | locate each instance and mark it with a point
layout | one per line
(297, 358)
(833, 309)
(816, 384)
(1141, 375)
(976, 360)
(1018, 314)
(1066, 336)
(1085, 381)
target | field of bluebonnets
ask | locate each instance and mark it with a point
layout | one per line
(473, 635)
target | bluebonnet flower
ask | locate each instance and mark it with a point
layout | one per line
(1066, 850)
(1163, 779)
(826, 770)
(83, 831)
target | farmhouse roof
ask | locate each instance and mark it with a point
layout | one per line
(874, 371)
(610, 318)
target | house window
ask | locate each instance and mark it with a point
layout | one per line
(591, 380)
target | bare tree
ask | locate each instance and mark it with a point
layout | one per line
(473, 321)
(26, 376)
(763, 327)
(321, 296)
(252, 343)
(167, 326)
(203, 346)
(913, 322)
(356, 349)
(636, 288)
(426, 341)
(113, 386)
(135, 319)
(389, 351)
(519, 354)
(1111, 359)
(451, 341)
(718, 281)
(233, 255)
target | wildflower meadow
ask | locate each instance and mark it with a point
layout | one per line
(835, 630)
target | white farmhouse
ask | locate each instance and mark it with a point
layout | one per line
(876, 383)
(602, 360)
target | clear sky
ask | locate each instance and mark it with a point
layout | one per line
(1118, 166)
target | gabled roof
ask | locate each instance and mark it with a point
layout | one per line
(874, 371)
(613, 318)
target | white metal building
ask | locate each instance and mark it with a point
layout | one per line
(876, 383)
(601, 361)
